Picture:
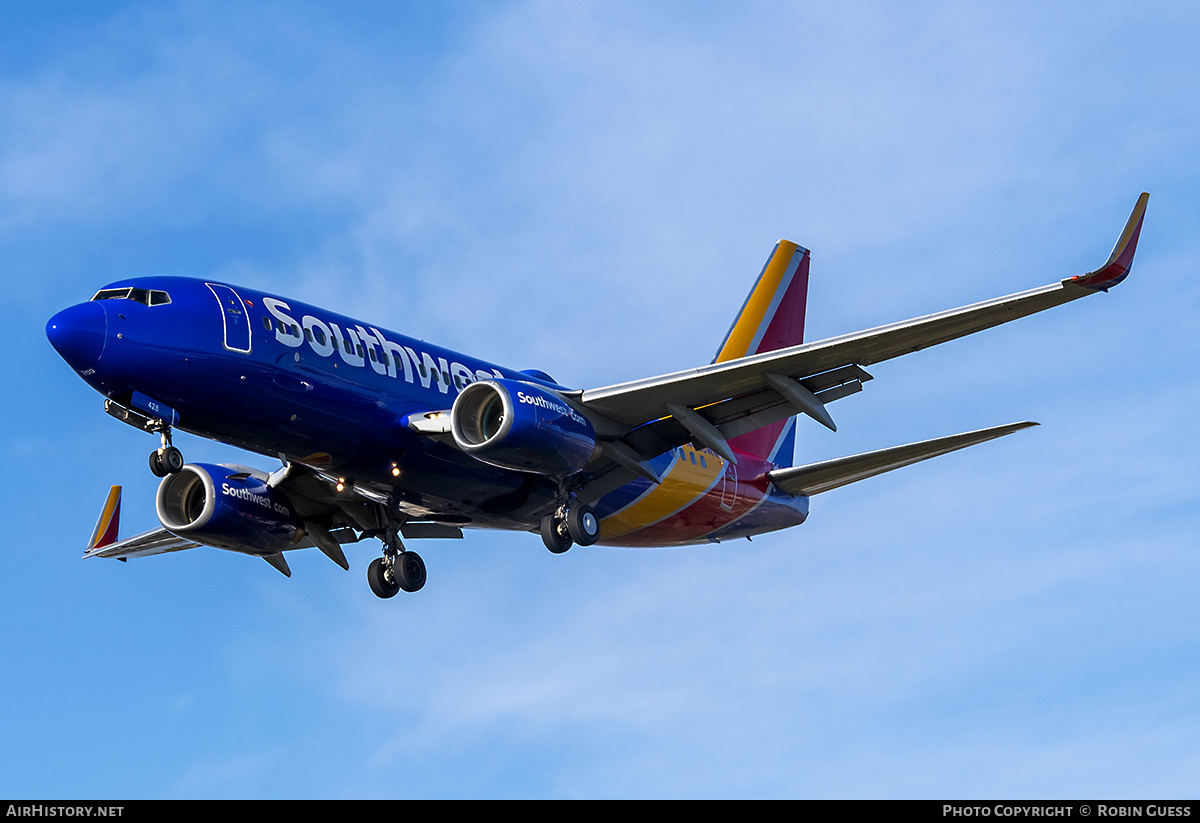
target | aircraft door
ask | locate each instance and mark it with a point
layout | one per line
(234, 318)
(728, 486)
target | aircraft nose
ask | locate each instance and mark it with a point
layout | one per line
(78, 333)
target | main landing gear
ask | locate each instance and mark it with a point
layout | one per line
(397, 569)
(389, 574)
(565, 526)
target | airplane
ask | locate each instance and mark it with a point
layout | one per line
(381, 435)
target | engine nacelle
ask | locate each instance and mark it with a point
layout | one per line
(226, 507)
(520, 426)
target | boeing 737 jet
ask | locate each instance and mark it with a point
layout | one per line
(382, 435)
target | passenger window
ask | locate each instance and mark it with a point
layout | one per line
(266, 323)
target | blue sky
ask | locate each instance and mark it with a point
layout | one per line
(590, 189)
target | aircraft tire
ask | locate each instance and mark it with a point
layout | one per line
(583, 526)
(156, 465)
(555, 541)
(409, 570)
(172, 460)
(379, 583)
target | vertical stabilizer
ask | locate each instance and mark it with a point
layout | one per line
(773, 315)
(771, 318)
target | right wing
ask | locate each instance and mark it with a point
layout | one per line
(711, 404)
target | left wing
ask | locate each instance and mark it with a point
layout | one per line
(104, 542)
(714, 403)
(329, 519)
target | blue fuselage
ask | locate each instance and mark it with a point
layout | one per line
(300, 383)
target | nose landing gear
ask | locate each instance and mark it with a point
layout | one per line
(166, 459)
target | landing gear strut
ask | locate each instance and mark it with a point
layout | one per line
(397, 569)
(166, 459)
(566, 526)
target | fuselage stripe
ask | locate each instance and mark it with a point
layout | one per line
(685, 483)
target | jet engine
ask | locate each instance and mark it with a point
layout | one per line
(520, 426)
(228, 507)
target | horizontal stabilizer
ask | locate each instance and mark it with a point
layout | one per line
(829, 474)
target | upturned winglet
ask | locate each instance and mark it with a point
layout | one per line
(105, 533)
(1121, 260)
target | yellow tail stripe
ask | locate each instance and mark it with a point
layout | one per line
(751, 319)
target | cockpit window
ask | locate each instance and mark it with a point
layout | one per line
(147, 297)
(112, 294)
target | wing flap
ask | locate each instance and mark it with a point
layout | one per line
(830, 474)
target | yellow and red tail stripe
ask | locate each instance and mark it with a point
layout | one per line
(772, 318)
(105, 532)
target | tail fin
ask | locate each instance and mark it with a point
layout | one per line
(105, 532)
(771, 318)
(773, 315)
